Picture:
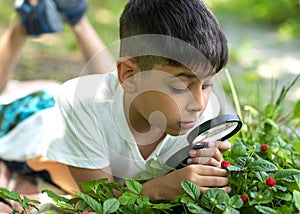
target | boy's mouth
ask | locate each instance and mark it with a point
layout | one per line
(187, 125)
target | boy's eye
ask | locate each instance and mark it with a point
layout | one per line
(179, 86)
(179, 90)
(206, 86)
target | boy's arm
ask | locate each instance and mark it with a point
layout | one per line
(165, 187)
(85, 175)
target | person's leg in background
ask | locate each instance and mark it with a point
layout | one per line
(89, 42)
(14, 38)
(11, 44)
(36, 17)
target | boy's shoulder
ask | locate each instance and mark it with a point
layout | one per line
(89, 87)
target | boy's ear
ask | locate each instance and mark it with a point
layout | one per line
(127, 69)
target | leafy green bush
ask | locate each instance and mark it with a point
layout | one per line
(263, 167)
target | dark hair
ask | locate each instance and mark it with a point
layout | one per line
(187, 20)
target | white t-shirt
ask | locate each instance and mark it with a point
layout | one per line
(94, 132)
(87, 128)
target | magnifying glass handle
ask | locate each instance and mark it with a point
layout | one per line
(200, 146)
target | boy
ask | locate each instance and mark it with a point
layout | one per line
(109, 126)
(111, 130)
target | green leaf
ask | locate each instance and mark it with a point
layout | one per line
(110, 205)
(230, 210)
(261, 176)
(235, 202)
(271, 123)
(281, 142)
(281, 188)
(284, 196)
(296, 197)
(30, 202)
(154, 168)
(185, 199)
(296, 112)
(11, 195)
(82, 206)
(95, 188)
(261, 197)
(90, 201)
(243, 162)
(212, 197)
(252, 110)
(238, 150)
(234, 168)
(287, 175)
(134, 209)
(297, 147)
(285, 209)
(162, 206)
(265, 210)
(262, 165)
(191, 189)
(134, 186)
(194, 208)
(56, 198)
(128, 198)
(143, 200)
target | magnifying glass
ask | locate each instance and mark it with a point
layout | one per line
(216, 129)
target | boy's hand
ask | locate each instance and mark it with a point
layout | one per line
(169, 186)
(209, 156)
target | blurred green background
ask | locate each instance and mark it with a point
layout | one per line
(263, 38)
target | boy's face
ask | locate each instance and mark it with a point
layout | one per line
(168, 97)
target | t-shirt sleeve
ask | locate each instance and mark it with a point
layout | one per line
(78, 140)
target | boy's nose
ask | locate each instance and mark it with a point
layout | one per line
(197, 103)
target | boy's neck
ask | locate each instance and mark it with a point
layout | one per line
(148, 141)
(147, 144)
(147, 137)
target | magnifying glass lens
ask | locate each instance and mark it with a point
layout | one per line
(216, 129)
(214, 134)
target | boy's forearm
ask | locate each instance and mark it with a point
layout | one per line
(157, 189)
(150, 188)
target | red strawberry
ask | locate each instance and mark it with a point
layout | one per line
(270, 182)
(225, 164)
(264, 147)
(244, 198)
(85, 212)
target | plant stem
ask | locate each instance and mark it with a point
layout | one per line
(235, 98)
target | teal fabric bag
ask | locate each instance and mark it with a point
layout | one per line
(13, 113)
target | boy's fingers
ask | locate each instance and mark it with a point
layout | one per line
(204, 160)
(211, 181)
(221, 145)
(205, 170)
(208, 153)
(226, 189)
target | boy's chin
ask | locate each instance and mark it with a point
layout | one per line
(178, 132)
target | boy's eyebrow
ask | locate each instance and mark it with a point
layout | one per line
(184, 74)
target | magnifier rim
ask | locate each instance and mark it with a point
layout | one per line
(225, 118)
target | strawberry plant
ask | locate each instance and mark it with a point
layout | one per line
(266, 158)
(263, 169)
(24, 202)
